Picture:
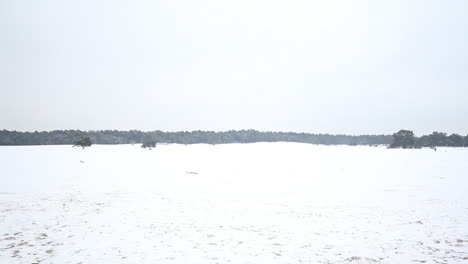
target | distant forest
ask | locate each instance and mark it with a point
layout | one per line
(68, 137)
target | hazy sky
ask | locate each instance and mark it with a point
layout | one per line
(362, 66)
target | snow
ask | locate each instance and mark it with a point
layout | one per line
(236, 203)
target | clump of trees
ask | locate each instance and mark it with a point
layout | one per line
(406, 139)
(84, 142)
(441, 139)
(149, 144)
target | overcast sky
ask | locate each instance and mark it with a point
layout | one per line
(356, 67)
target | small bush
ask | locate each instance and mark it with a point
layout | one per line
(149, 144)
(84, 142)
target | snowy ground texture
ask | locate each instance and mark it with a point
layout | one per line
(250, 203)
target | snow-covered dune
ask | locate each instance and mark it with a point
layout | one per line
(237, 203)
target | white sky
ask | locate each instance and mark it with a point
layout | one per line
(357, 67)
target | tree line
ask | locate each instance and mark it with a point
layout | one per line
(401, 139)
(67, 137)
(406, 139)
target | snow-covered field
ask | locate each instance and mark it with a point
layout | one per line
(250, 203)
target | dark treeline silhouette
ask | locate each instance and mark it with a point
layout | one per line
(406, 139)
(401, 139)
(66, 137)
